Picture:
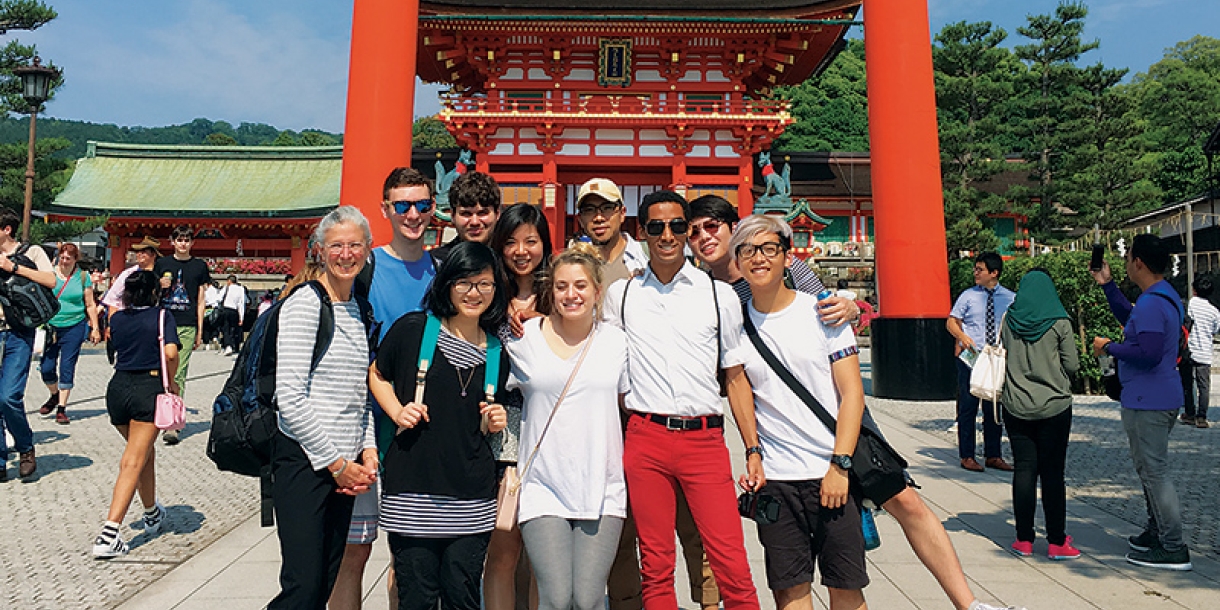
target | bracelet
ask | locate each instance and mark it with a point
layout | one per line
(336, 474)
(753, 450)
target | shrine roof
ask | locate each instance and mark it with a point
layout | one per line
(650, 7)
(231, 181)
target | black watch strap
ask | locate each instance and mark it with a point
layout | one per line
(756, 449)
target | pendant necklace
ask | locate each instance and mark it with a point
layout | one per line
(465, 383)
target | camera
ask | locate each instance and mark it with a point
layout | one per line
(763, 509)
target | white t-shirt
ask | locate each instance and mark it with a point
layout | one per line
(578, 473)
(796, 445)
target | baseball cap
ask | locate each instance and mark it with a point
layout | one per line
(602, 188)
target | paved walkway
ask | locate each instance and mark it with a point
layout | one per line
(216, 555)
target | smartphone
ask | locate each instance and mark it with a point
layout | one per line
(1099, 251)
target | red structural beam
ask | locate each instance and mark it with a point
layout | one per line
(380, 103)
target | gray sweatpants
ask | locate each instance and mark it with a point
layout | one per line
(571, 560)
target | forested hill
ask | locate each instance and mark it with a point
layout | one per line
(200, 131)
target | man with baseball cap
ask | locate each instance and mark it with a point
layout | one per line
(146, 252)
(599, 203)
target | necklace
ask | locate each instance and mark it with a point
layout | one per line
(465, 383)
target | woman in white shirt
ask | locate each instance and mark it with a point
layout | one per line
(573, 498)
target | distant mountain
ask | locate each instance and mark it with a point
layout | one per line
(199, 131)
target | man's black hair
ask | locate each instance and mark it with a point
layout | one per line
(474, 190)
(406, 176)
(991, 261)
(714, 207)
(182, 231)
(1203, 287)
(1152, 250)
(9, 219)
(466, 259)
(656, 197)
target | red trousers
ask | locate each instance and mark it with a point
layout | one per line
(657, 462)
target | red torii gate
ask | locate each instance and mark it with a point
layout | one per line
(912, 355)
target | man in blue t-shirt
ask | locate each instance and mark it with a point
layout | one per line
(1151, 395)
(395, 280)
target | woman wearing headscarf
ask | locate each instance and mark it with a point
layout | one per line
(1037, 399)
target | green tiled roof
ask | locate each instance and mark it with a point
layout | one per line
(194, 181)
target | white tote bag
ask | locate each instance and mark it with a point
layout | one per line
(987, 377)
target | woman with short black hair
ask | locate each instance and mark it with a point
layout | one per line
(131, 401)
(439, 492)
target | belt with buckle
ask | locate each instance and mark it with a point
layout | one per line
(674, 422)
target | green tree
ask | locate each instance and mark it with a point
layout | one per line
(51, 232)
(20, 15)
(220, 139)
(831, 110)
(50, 172)
(317, 138)
(286, 138)
(430, 132)
(1055, 46)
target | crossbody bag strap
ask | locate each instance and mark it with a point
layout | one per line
(65, 286)
(788, 378)
(583, 352)
(161, 344)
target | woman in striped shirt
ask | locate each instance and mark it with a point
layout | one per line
(326, 452)
(439, 493)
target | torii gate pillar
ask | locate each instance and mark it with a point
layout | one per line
(380, 103)
(912, 353)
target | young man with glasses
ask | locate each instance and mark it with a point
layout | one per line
(599, 204)
(681, 327)
(474, 205)
(394, 280)
(184, 280)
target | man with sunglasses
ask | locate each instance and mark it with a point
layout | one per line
(599, 203)
(394, 280)
(184, 280)
(474, 202)
(681, 326)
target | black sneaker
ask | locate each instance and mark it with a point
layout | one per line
(1158, 557)
(1143, 542)
(170, 437)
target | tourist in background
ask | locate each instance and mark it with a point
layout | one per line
(325, 452)
(131, 402)
(439, 489)
(1206, 320)
(66, 331)
(184, 280)
(1037, 399)
(573, 497)
(522, 239)
(233, 315)
(474, 200)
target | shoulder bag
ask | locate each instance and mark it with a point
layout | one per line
(875, 465)
(508, 499)
(171, 412)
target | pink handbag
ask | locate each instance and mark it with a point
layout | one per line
(171, 411)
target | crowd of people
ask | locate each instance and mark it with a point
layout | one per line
(536, 429)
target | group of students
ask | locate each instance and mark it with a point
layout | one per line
(589, 376)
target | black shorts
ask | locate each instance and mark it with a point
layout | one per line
(132, 396)
(836, 541)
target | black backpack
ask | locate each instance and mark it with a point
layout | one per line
(244, 416)
(27, 304)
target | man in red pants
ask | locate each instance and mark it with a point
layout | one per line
(681, 325)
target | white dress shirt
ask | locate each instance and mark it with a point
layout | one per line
(671, 340)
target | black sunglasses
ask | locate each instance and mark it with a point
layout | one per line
(421, 206)
(679, 226)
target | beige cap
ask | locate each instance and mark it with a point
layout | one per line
(602, 188)
(147, 244)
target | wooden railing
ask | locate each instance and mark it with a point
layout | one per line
(613, 104)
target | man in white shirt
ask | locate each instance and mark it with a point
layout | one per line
(233, 304)
(679, 322)
(1206, 322)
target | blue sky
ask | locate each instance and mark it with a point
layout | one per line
(284, 62)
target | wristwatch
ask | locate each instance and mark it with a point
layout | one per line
(753, 450)
(842, 461)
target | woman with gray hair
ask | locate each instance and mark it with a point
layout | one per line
(326, 451)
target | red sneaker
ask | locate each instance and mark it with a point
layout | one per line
(1059, 552)
(1023, 549)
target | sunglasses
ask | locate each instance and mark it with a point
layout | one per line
(421, 206)
(679, 226)
(711, 227)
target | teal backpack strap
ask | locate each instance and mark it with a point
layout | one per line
(427, 354)
(491, 370)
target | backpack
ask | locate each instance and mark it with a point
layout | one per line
(27, 304)
(244, 416)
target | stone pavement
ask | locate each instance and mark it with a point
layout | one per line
(196, 565)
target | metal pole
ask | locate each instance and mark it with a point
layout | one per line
(1190, 248)
(29, 183)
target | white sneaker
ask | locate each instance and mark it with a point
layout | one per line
(227, 352)
(104, 550)
(978, 605)
(154, 522)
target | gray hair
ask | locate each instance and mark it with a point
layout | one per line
(749, 228)
(340, 215)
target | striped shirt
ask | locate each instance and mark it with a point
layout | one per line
(1206, 324)
(327, 411)
(436, 516)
